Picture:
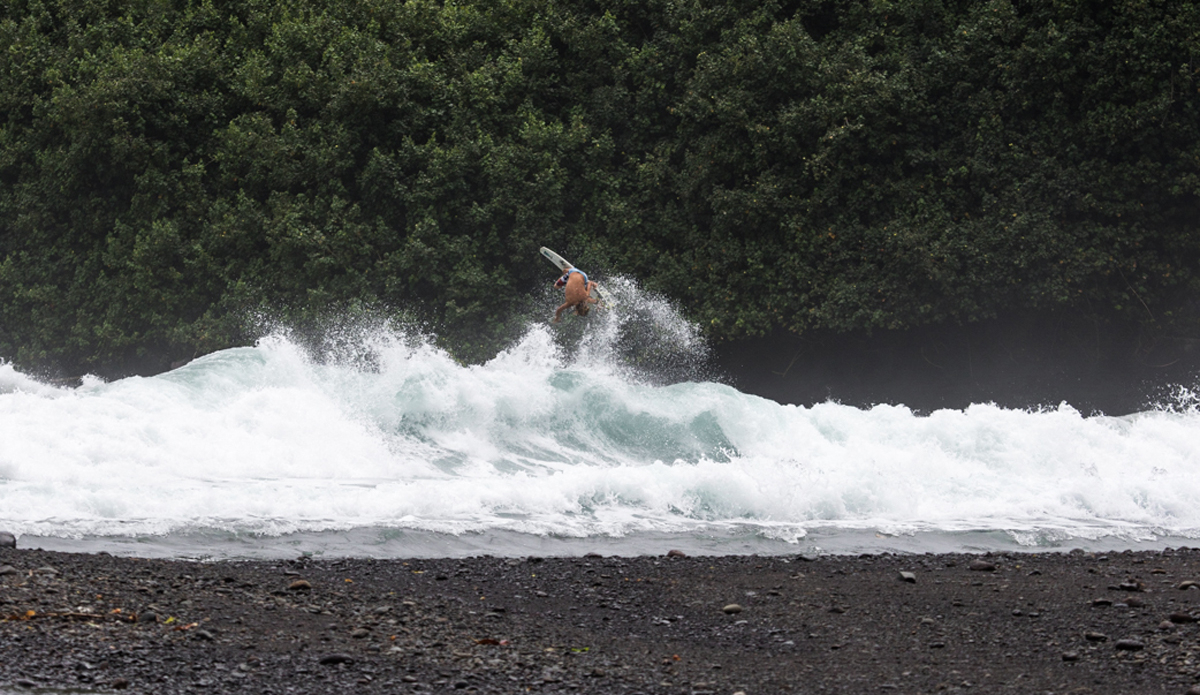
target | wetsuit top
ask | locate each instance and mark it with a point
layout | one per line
(563, 280)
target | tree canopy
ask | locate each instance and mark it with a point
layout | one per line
(168, 165)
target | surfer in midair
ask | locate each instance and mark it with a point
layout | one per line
(578, 290)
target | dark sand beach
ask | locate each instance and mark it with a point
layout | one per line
(1021, 623)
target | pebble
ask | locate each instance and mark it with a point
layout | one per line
(908, 577)
(360, 633)
(7, 540)
(334, 659)
(1102, 602)
(48, 571)
(1194, 690)
(1129, 645)
(732, 608)
(1095, 636)
(1188, 584)
(1181, 618)
(8, 569)
(676, 553)
(300, 585)
(981, 566)
(1070, 656)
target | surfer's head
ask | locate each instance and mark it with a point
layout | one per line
(582, 309)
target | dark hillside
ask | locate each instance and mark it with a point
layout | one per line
(169, 167)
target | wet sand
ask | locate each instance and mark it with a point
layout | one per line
(1059, 622)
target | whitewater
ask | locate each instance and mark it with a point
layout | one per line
(606, 435)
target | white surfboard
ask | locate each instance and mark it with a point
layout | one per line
(565, 265)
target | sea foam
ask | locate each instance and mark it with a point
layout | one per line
(570, 433)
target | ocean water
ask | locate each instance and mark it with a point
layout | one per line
(608, 434)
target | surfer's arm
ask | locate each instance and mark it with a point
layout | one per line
(591, 286)
(558, 312)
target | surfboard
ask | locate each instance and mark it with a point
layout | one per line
(565, 265)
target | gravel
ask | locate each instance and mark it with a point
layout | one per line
(1030, 623)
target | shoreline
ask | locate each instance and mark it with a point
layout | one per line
(1075, 621)
(382, 543)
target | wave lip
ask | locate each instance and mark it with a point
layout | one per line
(565, 440)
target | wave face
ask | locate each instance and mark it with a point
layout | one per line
(565, 437)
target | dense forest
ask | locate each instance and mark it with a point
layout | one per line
(170, 167)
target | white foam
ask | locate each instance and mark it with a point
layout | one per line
(269, 440)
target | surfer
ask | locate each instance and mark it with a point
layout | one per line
(578, 291)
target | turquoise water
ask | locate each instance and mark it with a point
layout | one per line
(574, 439)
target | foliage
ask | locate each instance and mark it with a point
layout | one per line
(168, 165)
